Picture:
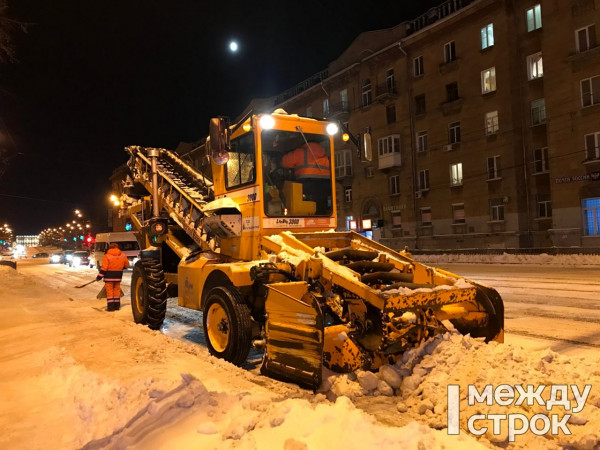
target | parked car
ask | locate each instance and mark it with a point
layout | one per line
(41, 255)
(57, 257)
(80, 258)
(68, 255)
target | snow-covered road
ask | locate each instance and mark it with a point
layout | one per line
(545, 306)
(94, 379)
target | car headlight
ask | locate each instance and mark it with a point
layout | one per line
(76, 261)
(69, 257)
(55, 258)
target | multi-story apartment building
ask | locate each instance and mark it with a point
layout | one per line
(484, 117)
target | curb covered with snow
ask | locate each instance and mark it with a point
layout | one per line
(506, 258)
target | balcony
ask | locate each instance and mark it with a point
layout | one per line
(386, 91)
(390, 160)
(339, 111)
(452, 106)
(447, 67)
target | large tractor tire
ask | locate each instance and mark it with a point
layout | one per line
(148, 293)
(227, 324)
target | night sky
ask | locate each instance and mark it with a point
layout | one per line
(97, 75)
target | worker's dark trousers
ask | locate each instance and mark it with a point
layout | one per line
(113, 295)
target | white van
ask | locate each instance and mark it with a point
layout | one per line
(127, 241)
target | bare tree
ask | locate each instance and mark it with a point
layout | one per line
(8, 27)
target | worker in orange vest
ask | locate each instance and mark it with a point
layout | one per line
(113, 264)
(312, 168)
(308, 161)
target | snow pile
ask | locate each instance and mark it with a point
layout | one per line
(190, 416)
(417, 384)
(94, 405)
(9, 276)
(506, 258)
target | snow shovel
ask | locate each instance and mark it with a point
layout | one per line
(93, 281)
(102, 293)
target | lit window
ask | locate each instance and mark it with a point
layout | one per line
(421, 141)
(534, 18)
(491, 122)
(590, 91)
(366, 92)
(343, 163)
(449, 52)
(458, 213)
(496, 209)
(538, 112)
(418, 68)
(540, 160)
(535, 68)
(350, 223)
(592, 146)
(488, 80)
(456, 174)
(585, 38)
(591, 216)
(394, 181)
(487, 36)
(493, 167)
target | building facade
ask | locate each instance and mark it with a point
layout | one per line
(484, 117)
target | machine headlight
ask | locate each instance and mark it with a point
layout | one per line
(267, 122)
(331, 129)
(76, 261)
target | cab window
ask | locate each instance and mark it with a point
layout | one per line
(241, 168)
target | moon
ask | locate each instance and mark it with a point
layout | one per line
(233, 46)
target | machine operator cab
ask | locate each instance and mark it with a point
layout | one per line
(274, 172)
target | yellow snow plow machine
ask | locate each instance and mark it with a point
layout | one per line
(244, 233)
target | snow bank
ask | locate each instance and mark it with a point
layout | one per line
(417, 384)
(506, 258)
(190, 416)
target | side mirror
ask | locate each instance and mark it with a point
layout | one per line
(367, 147)
(218, 140)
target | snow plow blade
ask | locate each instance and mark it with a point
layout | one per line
(294, 330)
